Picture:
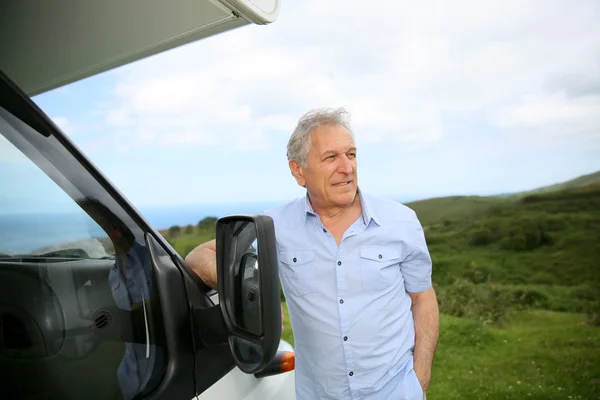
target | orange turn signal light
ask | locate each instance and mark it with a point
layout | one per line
(284, 361)
(288, 361)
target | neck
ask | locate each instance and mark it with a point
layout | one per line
(332, 214)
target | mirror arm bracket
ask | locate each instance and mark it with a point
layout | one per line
(210, 325)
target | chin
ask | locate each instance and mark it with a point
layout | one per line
(347, 197)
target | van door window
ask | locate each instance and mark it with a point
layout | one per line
(77, 306)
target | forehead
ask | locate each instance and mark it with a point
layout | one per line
(331, 138)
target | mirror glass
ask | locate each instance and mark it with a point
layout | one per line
(245, 308)
(246, 305)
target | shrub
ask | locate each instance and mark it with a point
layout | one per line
(174, 230)
(484, 301)
(529, 297)
(593, 310)
(481, 237)
(208, 222)
(478, 274)
(594, 315)
(525, 235)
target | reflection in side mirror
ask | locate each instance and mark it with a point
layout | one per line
(249, 288)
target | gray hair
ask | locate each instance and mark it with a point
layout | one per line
(299, 144)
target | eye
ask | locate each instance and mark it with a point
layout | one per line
(351, 155)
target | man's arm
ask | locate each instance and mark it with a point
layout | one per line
(203, 261)
(427, 329)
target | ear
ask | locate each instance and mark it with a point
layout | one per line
(298, 172)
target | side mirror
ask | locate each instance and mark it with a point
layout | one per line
(249, 288)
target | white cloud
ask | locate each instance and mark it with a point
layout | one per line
(396, 66)
(555, 117)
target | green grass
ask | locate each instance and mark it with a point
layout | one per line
(539, 355)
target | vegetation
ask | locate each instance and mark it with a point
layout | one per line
(585, 180)
(454, 208)
(518, 284)
(192, 236)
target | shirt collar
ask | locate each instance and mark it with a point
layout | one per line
(367, 211)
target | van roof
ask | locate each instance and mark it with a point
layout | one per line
(48, 44)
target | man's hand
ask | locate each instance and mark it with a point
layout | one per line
(427, 328)
(203, 261)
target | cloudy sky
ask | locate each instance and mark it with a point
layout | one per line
(446, 97)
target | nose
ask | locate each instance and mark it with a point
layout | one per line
(345, 166)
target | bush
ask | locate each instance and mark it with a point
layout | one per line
(481, 237)
(478, 275)
(208, 222)
(525, 235)
(174, 230)
(594, 315)
(484, 301)
(593, 310)
(529, 297)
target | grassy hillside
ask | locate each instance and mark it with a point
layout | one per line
(540, 239)
(453, 208)
(584, 180)
(517, 281)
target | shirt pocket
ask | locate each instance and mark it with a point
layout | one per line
(379, 266)
(298, 271)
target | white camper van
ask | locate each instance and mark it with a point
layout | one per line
(94, 302)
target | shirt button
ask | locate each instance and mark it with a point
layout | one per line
(351, 373)
(380, 256)
(341, 301)
(339, 263)
(324, 230)
(294, 260)
(345, 338)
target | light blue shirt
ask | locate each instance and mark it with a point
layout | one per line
(349, 307)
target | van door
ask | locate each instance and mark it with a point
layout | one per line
(83, 306)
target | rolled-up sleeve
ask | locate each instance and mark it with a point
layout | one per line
(416, 266)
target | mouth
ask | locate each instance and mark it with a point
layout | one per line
(342, 184)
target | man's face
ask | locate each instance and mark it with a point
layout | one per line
(330, 175)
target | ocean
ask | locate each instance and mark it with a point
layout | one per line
(22, 233)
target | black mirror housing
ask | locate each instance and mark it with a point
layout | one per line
(248, 282)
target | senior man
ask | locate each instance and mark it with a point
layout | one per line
(355, 272)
